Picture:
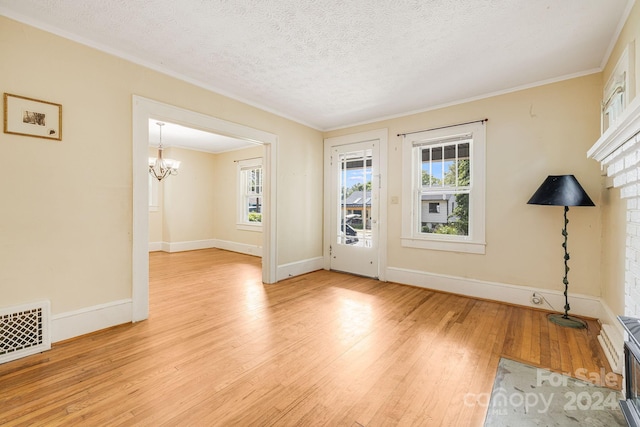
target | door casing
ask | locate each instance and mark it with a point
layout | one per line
(381, 135)
(143, 110)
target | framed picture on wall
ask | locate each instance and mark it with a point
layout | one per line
(32, 117)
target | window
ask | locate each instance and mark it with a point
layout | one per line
(250, 194)
(443, 189)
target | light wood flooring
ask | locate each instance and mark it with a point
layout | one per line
(221, 348)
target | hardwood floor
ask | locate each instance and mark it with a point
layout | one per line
(221, 348)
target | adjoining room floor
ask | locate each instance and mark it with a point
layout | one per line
(221, 348)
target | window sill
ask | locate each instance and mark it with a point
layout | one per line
(441, 245)
(249, 227)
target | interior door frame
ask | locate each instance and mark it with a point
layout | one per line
(382, 136)
(144, 109)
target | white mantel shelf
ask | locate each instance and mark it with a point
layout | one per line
(626, 128)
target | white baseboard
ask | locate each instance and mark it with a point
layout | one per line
(157, 246)
(297, 268)
(520, 295)
(205, 244)
(238, 247)
(192, 245)
(181, 246)
(90, 319)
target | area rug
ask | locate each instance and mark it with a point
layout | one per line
(525, 396)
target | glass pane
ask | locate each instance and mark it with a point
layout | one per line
(254, 207)
(354, 222)
(436, 165)
(464, 173)
(428, 179)
(450, 173)
(254, 181)
(258, 178)
(463, 151)
(252, 196)
(450, 151)
(444, 213)
(446, 165)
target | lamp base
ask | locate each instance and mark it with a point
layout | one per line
(568, 321)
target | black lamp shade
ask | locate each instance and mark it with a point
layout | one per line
(561, 190)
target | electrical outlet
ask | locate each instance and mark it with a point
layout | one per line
(536, 299)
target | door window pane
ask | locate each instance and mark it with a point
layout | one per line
(354, 210)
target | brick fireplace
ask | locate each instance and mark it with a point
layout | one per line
(618, 151)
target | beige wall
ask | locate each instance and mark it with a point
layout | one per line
(66, 216)
(530, 134)
(201, 201)
(189, 208)
(66, 231)
(613, 207)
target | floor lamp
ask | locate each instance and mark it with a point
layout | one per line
(563, 190)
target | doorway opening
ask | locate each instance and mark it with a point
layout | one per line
(145, 109)
(354, 205)
(195, 209)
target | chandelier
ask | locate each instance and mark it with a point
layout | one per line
(160, 167)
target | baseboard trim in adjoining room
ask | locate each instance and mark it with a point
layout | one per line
(90, 319)
(242, 248)
(192, 245)
(195, 245)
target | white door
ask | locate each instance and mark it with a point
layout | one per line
(354, 204)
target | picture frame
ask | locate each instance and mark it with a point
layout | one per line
(32, 117)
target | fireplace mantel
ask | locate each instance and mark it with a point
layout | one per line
(626, 127)
(618, 152)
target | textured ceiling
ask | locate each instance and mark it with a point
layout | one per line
(333, 63)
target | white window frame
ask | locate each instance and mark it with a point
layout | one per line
(412, 176)
(242, 222)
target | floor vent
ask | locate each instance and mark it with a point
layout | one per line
(24, 330)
